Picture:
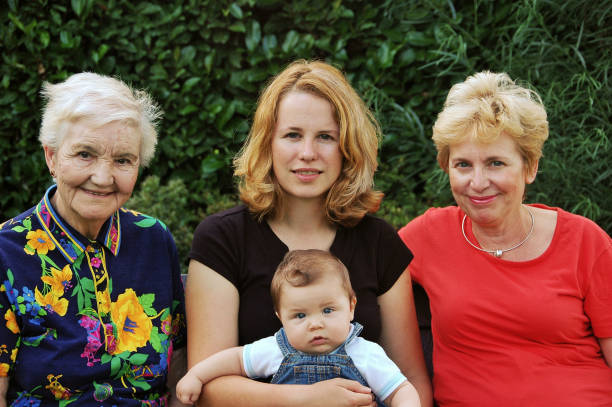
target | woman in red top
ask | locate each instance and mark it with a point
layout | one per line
(520, 294)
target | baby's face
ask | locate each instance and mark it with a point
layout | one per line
(316, 318)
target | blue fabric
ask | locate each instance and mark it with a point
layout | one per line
(88, 322)
(303, 368)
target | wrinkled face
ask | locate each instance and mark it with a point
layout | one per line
(306, 158)
(488, 180)
(95, 170)
(317, 318)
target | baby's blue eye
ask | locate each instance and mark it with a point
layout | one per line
(328, 310)
(300, 315)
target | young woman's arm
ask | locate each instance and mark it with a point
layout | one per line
(606, 349)
(400, 335)
(4, 381)
(212, 325)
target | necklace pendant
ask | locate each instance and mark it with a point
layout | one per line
(498, 253)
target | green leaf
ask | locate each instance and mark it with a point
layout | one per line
(146, 223)
(237, 27)
(115, 365)
(291, 39)
(190, 83)
(47, 259)
(16, 21)
(211, 164)
(188, 54)
(105, 358)
(45, 38)
(63, 403)
(88, 284)
(66, 39)
(156, 340)
(269, 44)
(208, 61)
(139, 383)
(253, 36)
(187, 110)
(78, 6)
(235, 10)
(146, 300)
(138, 359)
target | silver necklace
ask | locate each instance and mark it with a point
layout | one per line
(498, 252)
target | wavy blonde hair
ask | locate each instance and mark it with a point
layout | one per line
(353, 194)
(486, 105)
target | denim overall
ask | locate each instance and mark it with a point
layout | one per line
(303, 368)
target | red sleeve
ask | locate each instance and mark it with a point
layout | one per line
(598, 292)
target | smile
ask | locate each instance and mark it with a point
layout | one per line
(480, 200)
(306, 172)
(97, 193)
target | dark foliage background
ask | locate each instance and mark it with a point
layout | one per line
(205, 62)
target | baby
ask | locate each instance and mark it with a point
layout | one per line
(315, 302)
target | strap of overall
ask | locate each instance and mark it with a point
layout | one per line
(283, 342)
(357, 328)
(286, 348)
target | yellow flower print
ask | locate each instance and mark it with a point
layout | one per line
(51, 302)
(55, 387)
(4, 368)
(11, 321)
(104, 301)
(133, 325)
(14, 354)
(38, 241)
(58, 280)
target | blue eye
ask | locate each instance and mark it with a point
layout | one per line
(328, 310)
(326, 137)
(300, 315)
(292, 135)
(84, 154)
(497, 163)
(462, 164)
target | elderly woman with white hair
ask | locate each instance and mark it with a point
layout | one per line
(90, 292)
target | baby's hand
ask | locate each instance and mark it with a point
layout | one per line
(188, 389)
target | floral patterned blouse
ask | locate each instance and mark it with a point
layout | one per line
(88, 322)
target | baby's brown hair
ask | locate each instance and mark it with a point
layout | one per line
(303, 267)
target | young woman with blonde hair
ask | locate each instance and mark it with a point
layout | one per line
(306, 180)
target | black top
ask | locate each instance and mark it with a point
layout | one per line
(247, 252)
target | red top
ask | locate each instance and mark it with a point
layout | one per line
(516, 333)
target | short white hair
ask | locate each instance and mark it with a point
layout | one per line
(98, 100)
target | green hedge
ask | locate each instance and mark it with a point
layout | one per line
(206, 61)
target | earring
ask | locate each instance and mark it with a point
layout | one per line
(52, 173)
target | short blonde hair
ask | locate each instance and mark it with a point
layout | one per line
(98, 100)
(301, 268)
(352, 195)
(486, 105)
